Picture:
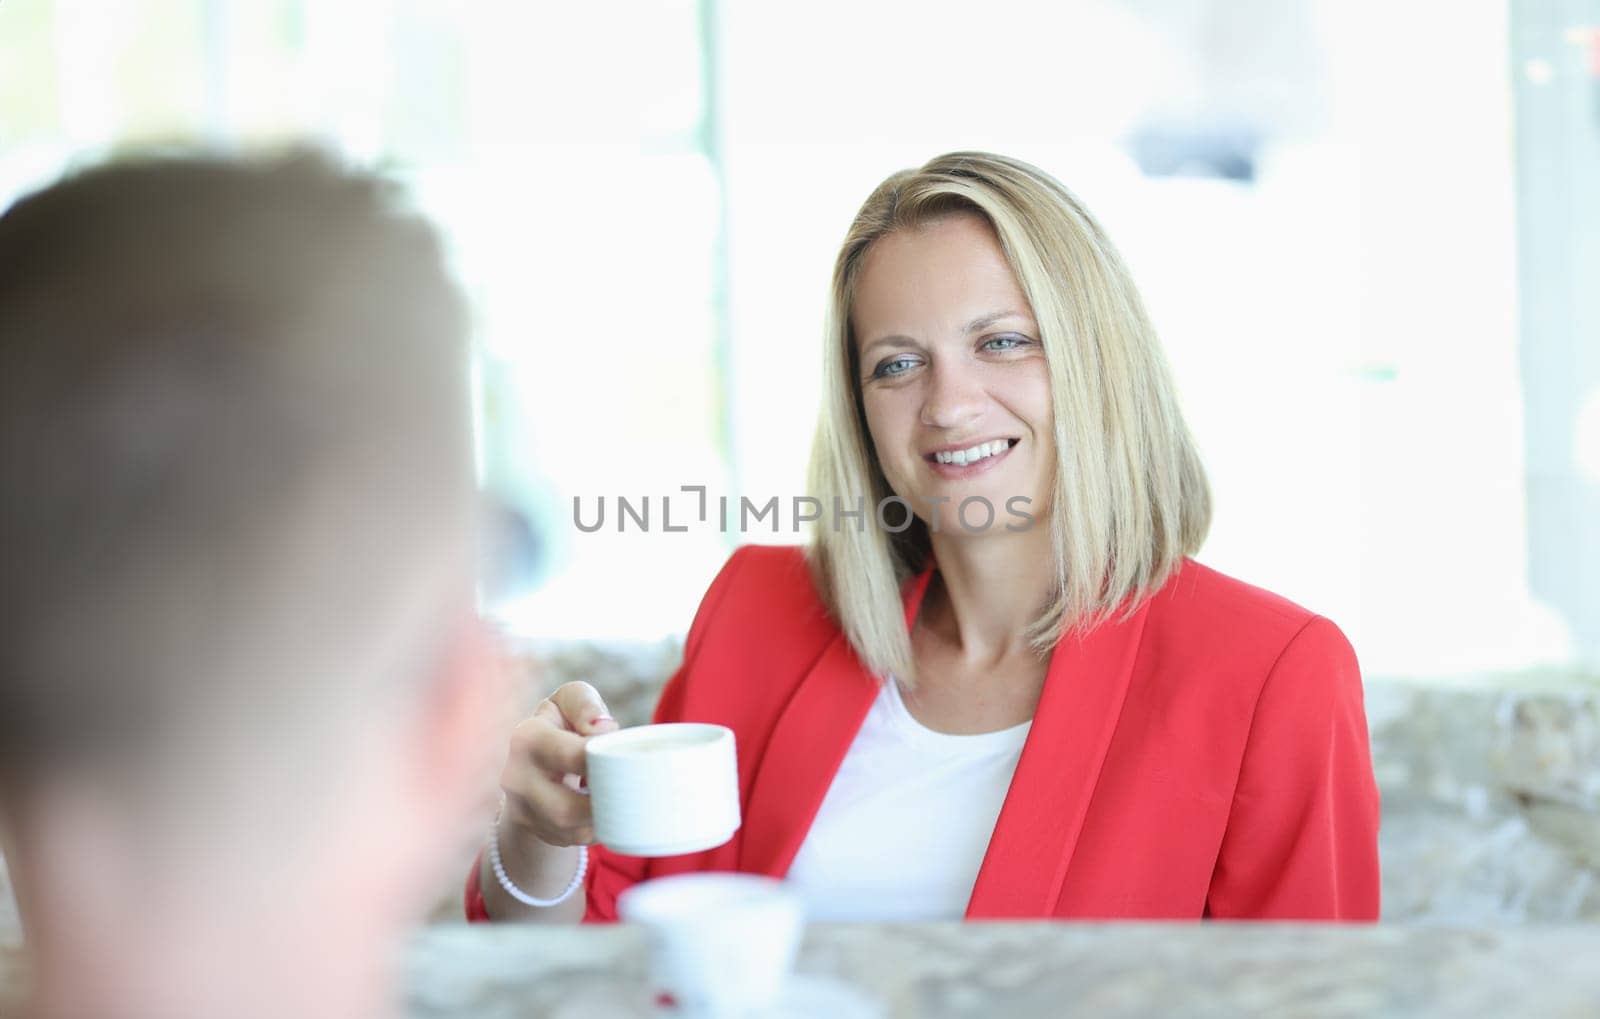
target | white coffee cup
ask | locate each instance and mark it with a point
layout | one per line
(721, 944)
(662, 790)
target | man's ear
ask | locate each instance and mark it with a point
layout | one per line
(8, 854)
(463, 723)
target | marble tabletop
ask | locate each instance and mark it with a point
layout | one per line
(1031, 969)
(1052, 969)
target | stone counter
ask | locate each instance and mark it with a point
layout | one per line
(1012, 970)
(1008, 970)
(1491, 798)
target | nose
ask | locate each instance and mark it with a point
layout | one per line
(954, 396)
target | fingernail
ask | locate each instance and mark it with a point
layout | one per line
(600, 718)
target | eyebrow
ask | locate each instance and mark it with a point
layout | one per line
(977, 324)
(985, 321)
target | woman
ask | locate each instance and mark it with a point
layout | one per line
(1024, 700)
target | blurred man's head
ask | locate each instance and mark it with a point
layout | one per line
(236, 637)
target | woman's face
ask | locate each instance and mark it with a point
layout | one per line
(953, 376)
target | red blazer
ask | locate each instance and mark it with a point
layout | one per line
(1206, 757)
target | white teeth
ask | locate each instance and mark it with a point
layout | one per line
(962, 457)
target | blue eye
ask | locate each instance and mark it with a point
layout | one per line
(894, 366)
(1005, 343)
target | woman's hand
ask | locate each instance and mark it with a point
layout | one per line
(545, 768)
(545, 814)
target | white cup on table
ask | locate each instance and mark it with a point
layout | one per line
(721, 944)
(663, 790)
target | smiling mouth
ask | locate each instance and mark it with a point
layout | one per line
(972, 454)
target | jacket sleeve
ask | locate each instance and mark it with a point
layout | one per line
(1302, 836)
(611, 873)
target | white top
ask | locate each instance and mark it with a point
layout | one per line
(905, 824)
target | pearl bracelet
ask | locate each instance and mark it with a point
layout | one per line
(517, 893)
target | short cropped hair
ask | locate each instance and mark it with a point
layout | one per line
(235, 444)
(1131, 498)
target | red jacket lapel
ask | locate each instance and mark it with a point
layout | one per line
(1044, 809)
(1038, 827)
(806, 747)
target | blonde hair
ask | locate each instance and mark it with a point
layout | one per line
(1130, 497)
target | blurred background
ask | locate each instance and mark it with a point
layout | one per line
(1369, 234)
